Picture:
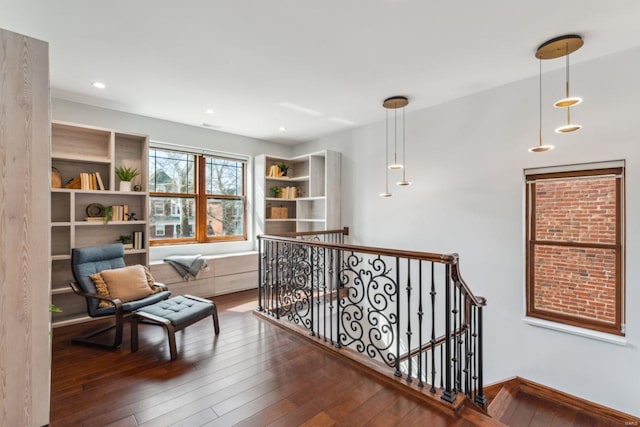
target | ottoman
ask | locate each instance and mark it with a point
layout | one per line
(173, 315)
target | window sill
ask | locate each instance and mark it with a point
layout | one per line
(573, 330)
(158, 253)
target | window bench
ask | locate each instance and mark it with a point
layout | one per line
(227, 274)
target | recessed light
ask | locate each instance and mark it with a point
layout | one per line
(208, 111)
(99, 85)
(282, 129)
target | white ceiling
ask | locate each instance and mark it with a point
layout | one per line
(251, 61)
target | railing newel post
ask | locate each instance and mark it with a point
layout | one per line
(480, 397)
(260, 274)
(448, 394)
(398, 372)
(339, 285)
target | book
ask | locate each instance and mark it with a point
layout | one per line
(100, 183)
(84, 181)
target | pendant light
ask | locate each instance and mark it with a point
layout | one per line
(540, 148)
(557, 48)
(386, 159)
(394, 103)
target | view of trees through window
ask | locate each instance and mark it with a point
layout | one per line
(195, 197)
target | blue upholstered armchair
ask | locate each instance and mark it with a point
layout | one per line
(94, 259)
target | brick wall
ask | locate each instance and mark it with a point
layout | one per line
(576, 281)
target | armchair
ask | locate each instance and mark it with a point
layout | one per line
(94, 259)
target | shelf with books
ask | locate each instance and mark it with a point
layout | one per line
(94, 154)
(315, 202)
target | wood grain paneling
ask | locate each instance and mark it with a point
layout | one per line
(24, 230)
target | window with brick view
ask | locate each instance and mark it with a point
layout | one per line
(575, 249)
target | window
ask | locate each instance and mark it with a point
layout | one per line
(200, 198)
(575, 252)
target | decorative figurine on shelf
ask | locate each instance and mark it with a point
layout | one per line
(283, 168)
(126, 175)
(131, 216)
(137, 187)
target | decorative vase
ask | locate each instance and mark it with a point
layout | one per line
(125, 185)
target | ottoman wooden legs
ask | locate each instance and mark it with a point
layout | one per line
(174, 315)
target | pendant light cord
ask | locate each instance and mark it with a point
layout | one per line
(386, 153)
(404, 150)
(540, 98)
(395, 134)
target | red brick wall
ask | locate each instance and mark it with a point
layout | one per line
(576, 281)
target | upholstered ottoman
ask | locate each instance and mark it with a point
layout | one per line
(174, 315)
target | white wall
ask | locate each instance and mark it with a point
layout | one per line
(466, 161)
(174, 133)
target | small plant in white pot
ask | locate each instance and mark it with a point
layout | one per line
(126, 175)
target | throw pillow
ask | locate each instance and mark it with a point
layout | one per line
(127, 284)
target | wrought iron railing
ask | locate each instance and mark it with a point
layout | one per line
(410, 311)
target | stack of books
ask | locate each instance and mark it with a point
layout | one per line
(91, 181)
(288, 193)
(275, 172)
(120, 213)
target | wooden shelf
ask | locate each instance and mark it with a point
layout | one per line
(77, 149)
(79, 158)
(316, 176)
(94, 223)
(275, 199)
(134, 251)
(311, 198)
(61, 224)
(100, 192)
(293, 179)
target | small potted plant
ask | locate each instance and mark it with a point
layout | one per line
(126, 241)
(283, 168)
(276, 191)
(126, 175)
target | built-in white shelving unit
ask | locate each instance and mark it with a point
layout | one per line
(79, 149)
(316, 177)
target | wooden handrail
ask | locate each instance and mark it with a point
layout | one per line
(423, 256)
(457, 278)
(344, 231)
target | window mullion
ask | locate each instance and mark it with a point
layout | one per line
(201, 200)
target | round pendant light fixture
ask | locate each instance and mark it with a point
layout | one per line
(557, 48)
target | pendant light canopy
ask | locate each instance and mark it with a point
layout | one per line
(557, 48)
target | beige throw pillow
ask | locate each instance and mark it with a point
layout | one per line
(127, 284)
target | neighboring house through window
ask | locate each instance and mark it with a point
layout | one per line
(196, 197)
(575, 246)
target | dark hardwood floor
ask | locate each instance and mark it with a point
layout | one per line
(253, 374)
